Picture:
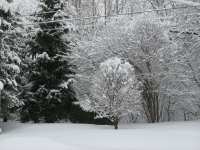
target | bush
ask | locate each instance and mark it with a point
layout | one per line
(78, 115)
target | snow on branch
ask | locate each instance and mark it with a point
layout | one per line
(65, 84)
(187, 2)
(44, 55)
(1, 85)
(115, 91)
(13, 67)
(4, 5)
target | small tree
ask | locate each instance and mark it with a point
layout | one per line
(115, 91)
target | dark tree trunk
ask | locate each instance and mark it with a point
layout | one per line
(116, 124)
(5, 119)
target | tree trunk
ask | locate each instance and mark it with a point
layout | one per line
(116, 124)
(151, 109)
(117, 6)
(157, 108)
(5, 119)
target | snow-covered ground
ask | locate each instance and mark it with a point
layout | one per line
(60, 136)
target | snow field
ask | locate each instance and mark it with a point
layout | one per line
(60, 136)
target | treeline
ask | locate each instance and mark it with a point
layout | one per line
(46, 65)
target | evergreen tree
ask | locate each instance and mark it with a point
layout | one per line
(10, 60)
(48, 94)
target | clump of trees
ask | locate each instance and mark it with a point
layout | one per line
(162, 50)
(45, 66)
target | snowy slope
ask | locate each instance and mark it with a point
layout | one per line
(159, 136)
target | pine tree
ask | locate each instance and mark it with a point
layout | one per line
(10, 60)
(49, 94)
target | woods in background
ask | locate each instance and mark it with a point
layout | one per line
(48, 61)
